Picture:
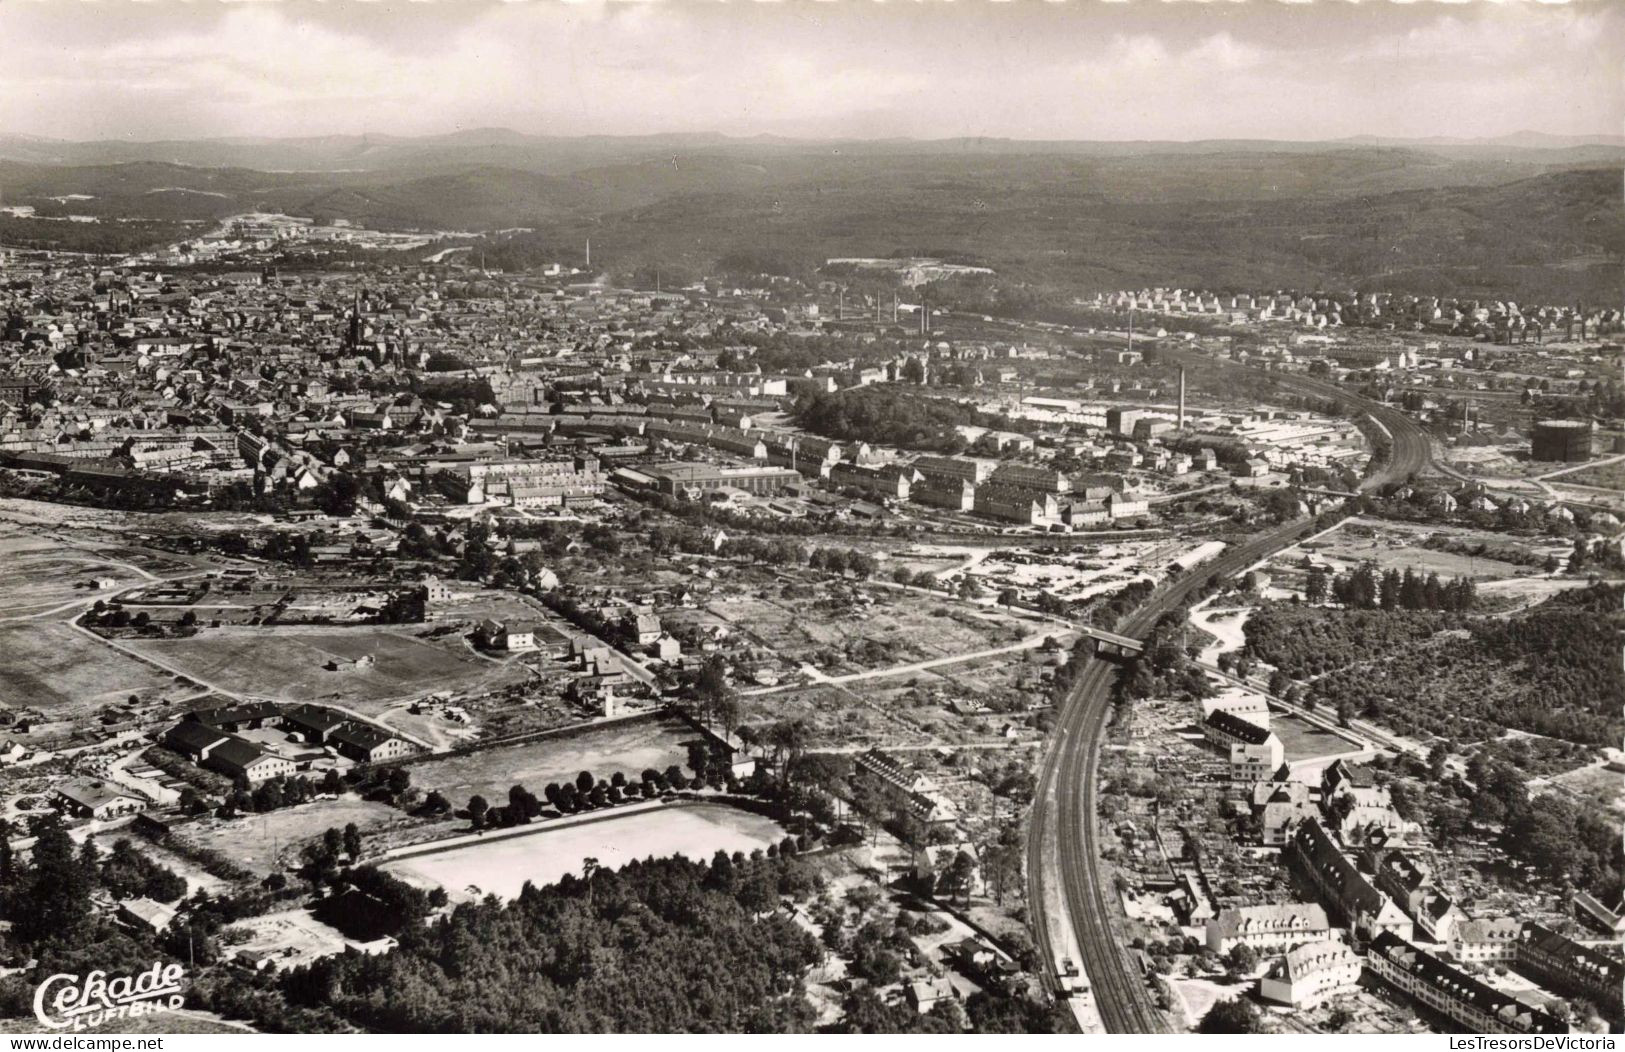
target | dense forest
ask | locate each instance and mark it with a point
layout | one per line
(1553, 670)
(664, 946)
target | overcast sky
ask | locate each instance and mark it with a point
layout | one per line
(1084, 69)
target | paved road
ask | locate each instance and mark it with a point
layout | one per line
(1070, 770)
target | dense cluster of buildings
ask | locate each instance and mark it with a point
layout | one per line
(211, 739)
(1500, 320)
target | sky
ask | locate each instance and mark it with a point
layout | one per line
(1028, 69)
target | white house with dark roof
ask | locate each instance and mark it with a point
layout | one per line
(1271, 928)
(97, 799)
(1308, 974)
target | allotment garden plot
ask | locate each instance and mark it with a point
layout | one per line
(877, 629)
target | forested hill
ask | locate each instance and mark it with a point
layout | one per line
(1531, 224)
(1553, 670)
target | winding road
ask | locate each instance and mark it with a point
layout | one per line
(1065, 797)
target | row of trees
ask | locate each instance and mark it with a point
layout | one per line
(1364, 589)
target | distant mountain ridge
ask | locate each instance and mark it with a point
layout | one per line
(1530, 216)
(372, 152)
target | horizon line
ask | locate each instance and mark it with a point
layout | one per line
(1595, 138)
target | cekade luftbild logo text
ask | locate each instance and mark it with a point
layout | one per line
(65, 1001)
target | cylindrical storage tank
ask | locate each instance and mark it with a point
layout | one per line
(1562, 440)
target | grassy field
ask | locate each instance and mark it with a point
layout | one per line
(287, 663)
(1606, 476)
(501, 867)
(58, 670)
(1399, 546)
(492, 772)
(256, 842)
(1304, 740)
(1597, 783)
(41, 574)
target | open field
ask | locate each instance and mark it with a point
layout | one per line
(42, 575)
(58, 670)
(1303, 740)
(257, 842)
(1597, 783)
(628, 747)
(287, 663)
(1400, 546)
(1609, 474)
(501, 867)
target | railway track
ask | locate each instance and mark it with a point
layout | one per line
(1065, 794)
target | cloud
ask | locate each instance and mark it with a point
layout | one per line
(1174, 70)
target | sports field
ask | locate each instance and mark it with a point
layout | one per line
(501, 867)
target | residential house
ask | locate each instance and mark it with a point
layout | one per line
(95, 799)
(1309, 974)
(1270, 928)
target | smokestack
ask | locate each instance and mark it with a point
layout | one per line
(1181, 398)
(589, 254)
(894, 308)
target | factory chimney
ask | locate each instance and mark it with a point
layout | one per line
(589, 254)
(1181, 398)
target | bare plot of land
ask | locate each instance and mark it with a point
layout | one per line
(195, 876)
(896, 629)
(58, 670)
(290, 663)
(628, 747)
(265, 843)
(501, 867)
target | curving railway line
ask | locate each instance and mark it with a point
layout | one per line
(1069, 772)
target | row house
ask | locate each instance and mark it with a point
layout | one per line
(1320, 863)
(1476, 1007)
